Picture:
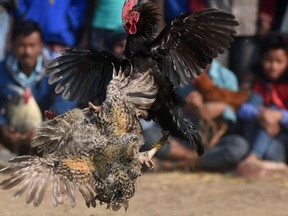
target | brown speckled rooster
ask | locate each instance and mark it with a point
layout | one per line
(94, 150)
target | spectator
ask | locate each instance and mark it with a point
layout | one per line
(255, 19)
(105, 22)
(60, 20)
(227, 152)
(6, 8)
(22, 83)
(265, 115)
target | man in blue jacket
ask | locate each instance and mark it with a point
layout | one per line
(60, 20)
(24, 89)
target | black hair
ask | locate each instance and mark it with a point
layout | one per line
(274, 40)
(25, 28)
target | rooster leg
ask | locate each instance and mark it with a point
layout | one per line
(146, 157)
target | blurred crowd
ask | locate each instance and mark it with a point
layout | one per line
(239, 103)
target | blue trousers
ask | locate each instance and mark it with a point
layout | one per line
(262, 144)
(265, 146)
(226, 154)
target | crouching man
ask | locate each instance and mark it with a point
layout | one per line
(24, 90)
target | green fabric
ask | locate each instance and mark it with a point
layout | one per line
(108, 14)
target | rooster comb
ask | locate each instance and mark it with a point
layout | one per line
(129, 4)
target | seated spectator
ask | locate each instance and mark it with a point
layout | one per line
(24, 90)
(255, 19)
(227, 151)
(265, 115)
(106, 21)
(60, 20)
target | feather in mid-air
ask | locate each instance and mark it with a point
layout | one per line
(97, 149)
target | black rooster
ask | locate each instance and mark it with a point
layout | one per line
(176, 56)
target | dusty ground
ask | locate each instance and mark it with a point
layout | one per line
(177, 194)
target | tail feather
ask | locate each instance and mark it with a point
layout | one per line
(173, 120)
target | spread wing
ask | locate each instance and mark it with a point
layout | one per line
(69, 133)
(33, 175)
(82, 73)
(190, 42)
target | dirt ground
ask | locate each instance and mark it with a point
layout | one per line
(176, 194)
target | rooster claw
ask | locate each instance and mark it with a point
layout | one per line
(95, 109)
(146, 159)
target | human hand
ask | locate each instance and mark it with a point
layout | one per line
(270, 120)
(269, 116)
(272, 130)
(11, 136)
(194, 99)
(211, 110)
(264, 26)
(27, 135)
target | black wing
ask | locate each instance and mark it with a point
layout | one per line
(83, 73)
(190, 42)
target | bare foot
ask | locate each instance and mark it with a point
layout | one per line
(179, 158)
(180, 152)
(253, 167)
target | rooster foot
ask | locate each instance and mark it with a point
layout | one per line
(146, 158)
(95, 109)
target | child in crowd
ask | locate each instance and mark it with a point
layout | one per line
(265, 114)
